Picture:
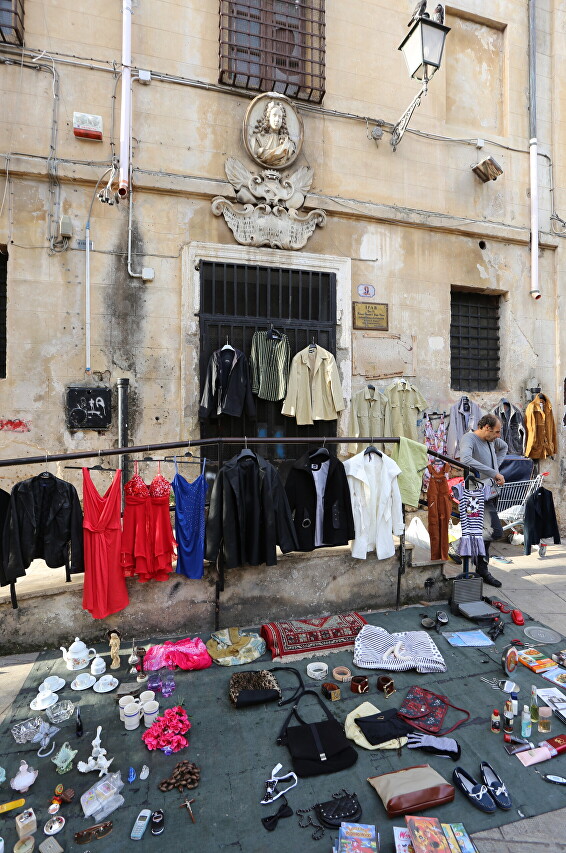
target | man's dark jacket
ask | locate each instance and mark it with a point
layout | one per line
(227, 387)
(249, 514)
(540, 519)
(338, 521)
(44, 518)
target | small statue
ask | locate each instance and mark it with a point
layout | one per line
(97, 759)
(24, 778)
(63, 761)
(114, 638)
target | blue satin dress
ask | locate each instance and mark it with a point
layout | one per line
(190, 523)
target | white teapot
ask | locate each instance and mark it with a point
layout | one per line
(77, 656)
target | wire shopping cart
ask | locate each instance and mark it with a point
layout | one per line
(512, 499)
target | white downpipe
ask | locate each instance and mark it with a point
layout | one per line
(533, 158)
(87, 298)
(125, 102)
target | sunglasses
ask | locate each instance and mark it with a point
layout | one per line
(99, 830)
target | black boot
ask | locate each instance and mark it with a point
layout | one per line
(487, 577)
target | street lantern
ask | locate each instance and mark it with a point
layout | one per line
(422, 48)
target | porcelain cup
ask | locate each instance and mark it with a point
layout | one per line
(82, 679)
(132, 716)
(150, 712)
(106, 680)
(147, 696)
(123, 702)
(50, 682)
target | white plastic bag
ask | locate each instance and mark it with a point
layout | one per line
(417, 536)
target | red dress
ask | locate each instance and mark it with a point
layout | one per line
(105, 589)
(148, 545)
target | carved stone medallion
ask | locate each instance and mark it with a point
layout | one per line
(273, 131)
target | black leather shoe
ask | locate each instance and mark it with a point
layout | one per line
(477, 794)
(495, 786)
(490, 580)
(157, 822)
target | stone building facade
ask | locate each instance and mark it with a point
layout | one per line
(413, 229)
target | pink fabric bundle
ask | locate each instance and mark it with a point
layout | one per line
(186, 654)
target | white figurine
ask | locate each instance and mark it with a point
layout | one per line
(24, 778)
(97, 759)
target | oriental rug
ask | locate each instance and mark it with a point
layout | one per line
(294, 639)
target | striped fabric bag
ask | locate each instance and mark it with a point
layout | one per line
(376, 648)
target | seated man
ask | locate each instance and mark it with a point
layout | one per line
(483, 451)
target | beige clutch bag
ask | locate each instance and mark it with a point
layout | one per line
(412, 790)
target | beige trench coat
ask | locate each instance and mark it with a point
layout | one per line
(314, 391)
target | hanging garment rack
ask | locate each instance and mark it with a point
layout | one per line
(220, 442)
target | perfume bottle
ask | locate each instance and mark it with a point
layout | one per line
(544, 720)
(526, 724)
(495, 721)
(508, 717)
(534, 705)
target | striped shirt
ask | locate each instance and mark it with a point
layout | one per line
(269, 361)
(374, 649)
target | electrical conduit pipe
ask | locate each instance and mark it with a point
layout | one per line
(125, 103)
(533, 151)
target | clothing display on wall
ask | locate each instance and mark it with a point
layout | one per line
(376, 504)
(541, 429)
(269, 363)
(435, 439)
(412, 459)
(249, 514)
(370, 416)
(464, 416)
(512, 425)
(148, 546)
(227, 387)
(104, 589)
(190, 522)
(472, 505)
(319, 499)
(405, 402)
(314, 391)
(44, 520)
(540, 519)
(439, 509)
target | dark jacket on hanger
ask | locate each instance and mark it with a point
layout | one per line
(512, 425)
(249, 514)
(227, 388)
(44, 518)
(338, 521)
(540, 519)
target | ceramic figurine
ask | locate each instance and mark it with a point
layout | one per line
(97, 759)
(24, 778)
(114, 640)
(131, 775)
(63, 761)
(2, 775)
(144, 772)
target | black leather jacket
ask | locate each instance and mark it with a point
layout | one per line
(44, 518)
(512, 426)
(227, 388)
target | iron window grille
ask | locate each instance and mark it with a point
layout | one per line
(274, 46)
(474, 341)
(12, 21)
(238, 300)
(3, 308)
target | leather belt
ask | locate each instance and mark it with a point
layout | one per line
(359, 684)
(386, 685)
(342, 673)
(317, 670)
(331, 691)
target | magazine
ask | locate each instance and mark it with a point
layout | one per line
(403, 840)
(557, 675)
(553, 697)
(427, 835)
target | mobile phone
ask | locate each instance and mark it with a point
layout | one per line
(140, 825)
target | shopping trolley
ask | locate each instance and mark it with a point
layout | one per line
(512, 499)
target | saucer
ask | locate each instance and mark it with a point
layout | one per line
(38, 704)
(85, 686)
(54, 683)
(101, 688)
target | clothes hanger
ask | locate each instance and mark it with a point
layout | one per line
(371, 387)
(274, 334)
(227, 345)
(312, 345)
(320, 453)
(243, 454)
(371, 449)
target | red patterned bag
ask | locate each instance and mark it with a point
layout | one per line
(426, 711)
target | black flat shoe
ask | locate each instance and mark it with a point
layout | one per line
(490, 580)
(495, 786)
(157, 822)
(477, 794)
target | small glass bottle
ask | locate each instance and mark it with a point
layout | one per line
(79, 725)
(534, 705)
(495, 721)
(515, 702)
(544, 720)
(508, 717)
(526, 725)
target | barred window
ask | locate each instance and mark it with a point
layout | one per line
(11, 21)
(3, 299)
(474, 341)
(273, 46)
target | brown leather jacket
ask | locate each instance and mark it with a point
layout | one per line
(541, 429)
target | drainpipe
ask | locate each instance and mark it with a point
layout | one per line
(123, 427)
(125, 102)
(533, 151)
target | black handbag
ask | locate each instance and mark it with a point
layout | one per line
(382, 727)
(316, 748)
(342, 807)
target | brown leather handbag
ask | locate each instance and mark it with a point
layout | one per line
(413, 789)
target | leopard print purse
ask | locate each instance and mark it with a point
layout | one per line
(253, 688)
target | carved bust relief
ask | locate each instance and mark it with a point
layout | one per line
(273, 131)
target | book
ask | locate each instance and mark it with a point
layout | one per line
(552, 696)
(467, 638)
(427, 835)
(557, 675)
(358, 838)
(403, 840)
(450, 838)
(464, 841)
(536, 660)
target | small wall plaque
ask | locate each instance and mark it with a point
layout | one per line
(366, 291)
(371, 315)
(89, 407)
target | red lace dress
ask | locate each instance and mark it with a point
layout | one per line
(148, 545)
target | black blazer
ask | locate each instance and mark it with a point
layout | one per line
(44, 518)
(249, 514)
(338, 521)
(540, 519)
(227, 387)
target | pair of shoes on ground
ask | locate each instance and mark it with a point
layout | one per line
(486, 795)
(488, 578)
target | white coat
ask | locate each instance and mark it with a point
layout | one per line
(376, 504)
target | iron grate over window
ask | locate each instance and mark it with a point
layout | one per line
(238, 300)
(474, 341)
(274, 46)
(3, 308)
(12, 21)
